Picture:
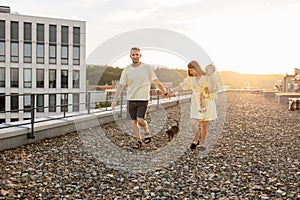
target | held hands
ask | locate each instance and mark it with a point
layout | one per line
(168, 94)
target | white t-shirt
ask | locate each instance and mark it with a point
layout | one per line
(138, 79)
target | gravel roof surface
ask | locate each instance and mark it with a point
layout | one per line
(253, 152)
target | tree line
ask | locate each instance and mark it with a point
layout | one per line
(108, 75)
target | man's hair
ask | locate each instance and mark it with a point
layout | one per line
(135, 49)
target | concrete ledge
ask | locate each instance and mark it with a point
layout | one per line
(284, 97)
(17, 136)
(269, 94)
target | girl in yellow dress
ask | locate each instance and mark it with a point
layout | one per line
(195, 81)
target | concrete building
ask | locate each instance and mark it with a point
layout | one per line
(41, 56)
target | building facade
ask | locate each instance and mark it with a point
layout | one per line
(41, 56)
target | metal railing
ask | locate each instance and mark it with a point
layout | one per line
(90, 105)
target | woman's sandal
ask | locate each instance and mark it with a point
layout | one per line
(137, 145)
(194, 145)
(147, 139)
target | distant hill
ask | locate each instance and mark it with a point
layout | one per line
(256, 81)
(102, 75)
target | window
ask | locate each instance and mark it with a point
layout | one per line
(27, 78)
(14, 52)
(14, 44)
(64, 78)
(2, 41)
(76, 46)
(76, 55)
(64, 102)
(27, 103)
(64, 34)
(52, 78)
(14, 77)
(75, 102)
(52, 44)
(64, 45)
(52, 54)
(52, 102)
(2, 102)
(40, 103)
(14, 102)
(14, 28)
(2, 50)
(64, 54)
(40, 38)
(39, 78)
(27, 52)
(2, 77)
(76, 78)
(27, 43)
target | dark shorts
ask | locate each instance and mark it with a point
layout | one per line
(136, 109)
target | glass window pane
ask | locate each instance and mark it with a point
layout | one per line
(27, 78)
(27, 103)
(52, 34)
(40, 53)
(2, 29)
(52, 102)
(75, 102)
(27, 52)
(64, 34)
(2, 77)
(76, 35)
(52, 78)
(14, 48)
(64, 102)
(40, 33)
(2, 51)
(14, 31)
(14, 102)
(27, 31)
(39, 78)
(2, 48)
(2, 102)
(40, 103)
(64, 55)
(52, 54)
(76, 55)
(76, 78)
(64, 78)
(14, 77)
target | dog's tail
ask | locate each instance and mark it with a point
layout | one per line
(176, 122)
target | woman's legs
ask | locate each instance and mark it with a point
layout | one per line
(195, 130)
(204, 128)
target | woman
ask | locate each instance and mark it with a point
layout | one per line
(195, 81)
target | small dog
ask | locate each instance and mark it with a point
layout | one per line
(173, 131)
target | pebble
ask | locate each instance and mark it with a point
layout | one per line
(255, 155)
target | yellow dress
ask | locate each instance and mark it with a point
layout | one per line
(191, 83)
(211, 113)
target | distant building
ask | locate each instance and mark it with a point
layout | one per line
(43, 56)
(291, 83)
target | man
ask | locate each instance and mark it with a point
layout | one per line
(138, 77)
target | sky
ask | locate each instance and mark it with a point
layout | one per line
(245, 36)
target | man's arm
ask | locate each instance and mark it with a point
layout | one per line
(117, 95)
(158, 85)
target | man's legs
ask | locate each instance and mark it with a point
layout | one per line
(136, 130)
